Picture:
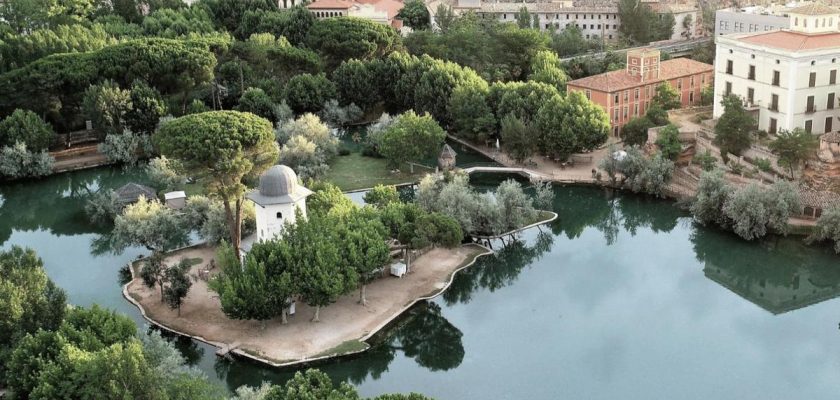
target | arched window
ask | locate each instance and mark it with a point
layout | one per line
(279, 215)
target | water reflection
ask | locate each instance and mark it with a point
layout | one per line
(56, 204)
(773, 274)
(497, 271)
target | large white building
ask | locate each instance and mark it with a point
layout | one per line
(787, 77)
(597, 19)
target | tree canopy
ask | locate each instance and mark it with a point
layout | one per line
(223, 149)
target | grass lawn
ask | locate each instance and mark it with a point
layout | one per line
(355, 171)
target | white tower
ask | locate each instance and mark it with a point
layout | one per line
(276, 200)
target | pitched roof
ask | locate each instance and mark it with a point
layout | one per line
(329, 4)
(131, 192)
(620, 80)
(818, 199)
(794, 41)
(447, 152)
(814, 9)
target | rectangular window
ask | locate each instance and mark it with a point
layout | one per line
(636, 97)
(809, 106)
(809, 125)
(616, 98)
(829, 105)
(691, 97)
(626, 108)
(636, 110)
(775, 78)
(615, 115)
(774, 102)
(772, 127)
(728, 89)
(691, 82)
(647, 91)
(832, 77)
(750, 96)
(828, 121)
(729, 67)
(679, 83)
(751, 75)
(626, 95)
(812, 79)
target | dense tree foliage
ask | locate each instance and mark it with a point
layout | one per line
(410, 138)
(26, 127)
(55, 85)
(794, 147)
(339, 39)
(19, 50)
(641, 25)
(414, 14)
(734, 129)
(669, 142)
(667, 97)
(222, 149)
(635, 131)
(308, 93)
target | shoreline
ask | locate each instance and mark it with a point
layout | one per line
(326, 354)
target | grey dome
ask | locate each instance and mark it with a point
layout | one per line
(279, 180)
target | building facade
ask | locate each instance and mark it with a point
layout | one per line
(596, 19)
(750, 19)
(381, 11)
(626, 94)
(787, 77)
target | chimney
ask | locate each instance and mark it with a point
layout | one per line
(643, 64)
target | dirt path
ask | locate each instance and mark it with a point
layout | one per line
(342, 323)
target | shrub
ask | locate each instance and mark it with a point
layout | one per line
(126, 148)
(18, 162)
(103, 207)
(26, 127)
(706, 160)
(669, 142)
(828, 228)
(763, 164)
(165, 174)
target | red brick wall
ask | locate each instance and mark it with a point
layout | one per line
(690, 96)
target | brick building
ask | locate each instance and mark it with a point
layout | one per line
(626, 94)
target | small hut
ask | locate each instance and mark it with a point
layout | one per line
(131, 192)
(446, 159)
(814, 202)
(176, 200)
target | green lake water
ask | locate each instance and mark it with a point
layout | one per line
(622, 297)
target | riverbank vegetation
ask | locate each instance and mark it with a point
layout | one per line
(751, 211)
(50, 350)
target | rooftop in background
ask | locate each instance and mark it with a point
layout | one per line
(330, 5)
(792, 41)
(813, 9)
(620, 80)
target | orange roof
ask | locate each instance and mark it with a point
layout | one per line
(795, 41)
(621, 80)
(330, 5)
